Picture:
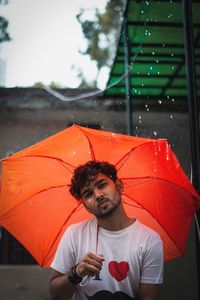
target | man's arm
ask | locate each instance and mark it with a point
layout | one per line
(60, 287)
(149, 291)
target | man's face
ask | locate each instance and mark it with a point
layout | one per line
(102, 196)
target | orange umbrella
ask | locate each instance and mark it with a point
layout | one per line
(36, 206)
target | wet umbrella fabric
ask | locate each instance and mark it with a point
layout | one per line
(36, 206)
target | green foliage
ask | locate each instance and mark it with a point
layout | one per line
(4, 35)
(54, 85)
(41, 85)
(38, 84)
(101, 33)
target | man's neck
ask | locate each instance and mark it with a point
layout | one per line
(117, 221)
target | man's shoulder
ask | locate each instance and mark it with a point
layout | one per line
(146, 231)
(83, 225)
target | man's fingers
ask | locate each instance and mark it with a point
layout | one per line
(91, 264)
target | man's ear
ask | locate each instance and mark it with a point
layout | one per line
(119, 185)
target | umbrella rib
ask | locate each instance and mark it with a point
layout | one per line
(165, 180)
(49, 188)
(90, 144)
(142, 207)
(72, 212)
(126, 156)
(65, 164)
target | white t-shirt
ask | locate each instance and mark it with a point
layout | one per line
(132, 255)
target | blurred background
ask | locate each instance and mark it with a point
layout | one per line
(115, 65)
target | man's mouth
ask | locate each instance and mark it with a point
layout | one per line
(102, 203)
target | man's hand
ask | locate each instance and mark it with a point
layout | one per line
(91, 265)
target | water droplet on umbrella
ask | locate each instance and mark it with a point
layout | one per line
(167, 152)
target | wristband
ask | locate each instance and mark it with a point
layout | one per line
(73, 277)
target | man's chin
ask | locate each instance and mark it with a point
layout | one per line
(106, 212)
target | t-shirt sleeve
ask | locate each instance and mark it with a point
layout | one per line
(64, 257)
(152, 266)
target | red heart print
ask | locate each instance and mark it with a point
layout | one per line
(118, 270)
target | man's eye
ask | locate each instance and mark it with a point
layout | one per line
(88, 195)
(102, 185)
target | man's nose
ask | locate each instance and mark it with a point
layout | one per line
(98, 194)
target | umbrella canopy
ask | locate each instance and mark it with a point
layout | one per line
(36, 206)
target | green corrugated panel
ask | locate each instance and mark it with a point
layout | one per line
(157, 51)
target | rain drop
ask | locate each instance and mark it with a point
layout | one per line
(158, 73)
(171, 117)
(151, 68)
(153, 53)
(156, 61)
(167, 152)
(155, 133)
(142, 11)
(172, 99)
(159, 101)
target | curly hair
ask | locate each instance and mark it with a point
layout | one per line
(86, 173)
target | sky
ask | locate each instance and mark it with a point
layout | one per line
(46, 38)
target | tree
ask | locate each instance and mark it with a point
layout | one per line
(101, 33)
(4, 35)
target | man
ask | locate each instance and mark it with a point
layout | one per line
(111, 256)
